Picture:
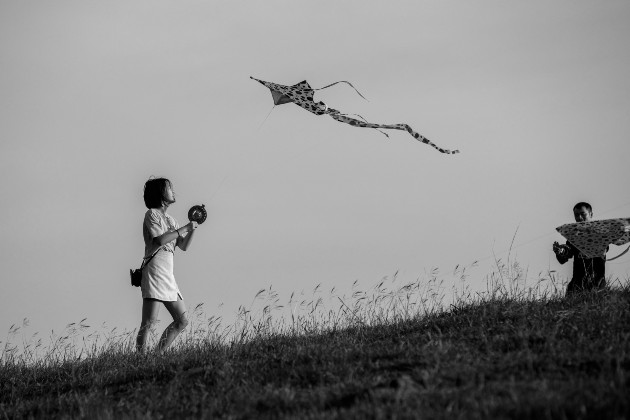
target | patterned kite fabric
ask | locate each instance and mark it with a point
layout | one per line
(403, 127)
(592, 238)
(302, 95)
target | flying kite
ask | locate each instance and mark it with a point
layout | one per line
(302, 94)
(592, 238)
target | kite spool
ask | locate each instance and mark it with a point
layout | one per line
(198, 214)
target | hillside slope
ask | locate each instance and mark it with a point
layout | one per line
(498, 358)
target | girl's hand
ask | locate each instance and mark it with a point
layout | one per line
(191, 226)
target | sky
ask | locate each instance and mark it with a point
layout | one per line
(96, 97)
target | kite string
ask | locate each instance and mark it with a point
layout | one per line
(218, 188)
(615, 208)
(265, 120)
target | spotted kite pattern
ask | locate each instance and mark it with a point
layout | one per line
(592, 238)
(302, 95)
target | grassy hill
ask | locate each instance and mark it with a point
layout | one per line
(498, 356)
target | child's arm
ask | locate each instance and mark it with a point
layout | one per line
(183, 242)
(165, 238)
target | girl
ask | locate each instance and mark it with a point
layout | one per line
(161, 234)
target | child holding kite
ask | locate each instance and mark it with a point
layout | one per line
(588, 273)
(161, 234)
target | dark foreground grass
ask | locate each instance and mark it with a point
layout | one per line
(498, 357)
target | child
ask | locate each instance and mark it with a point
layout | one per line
(588, 273)
(161, 234)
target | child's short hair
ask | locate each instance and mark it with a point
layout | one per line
(155, 192)
(583, 204)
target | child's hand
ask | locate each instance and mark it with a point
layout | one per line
(191, 226)
(558, 249)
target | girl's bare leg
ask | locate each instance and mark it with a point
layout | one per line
(177, 310)
(150, 310)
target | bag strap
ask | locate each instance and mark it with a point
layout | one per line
(145, 260)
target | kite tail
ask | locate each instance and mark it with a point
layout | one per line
(343, 81)
(364, 120)
(404, 127)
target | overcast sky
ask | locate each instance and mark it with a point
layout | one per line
(97, 96)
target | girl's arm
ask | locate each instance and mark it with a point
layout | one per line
(175, 235)
(166, 237)
(183, 242)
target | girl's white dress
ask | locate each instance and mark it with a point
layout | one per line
(158, 280)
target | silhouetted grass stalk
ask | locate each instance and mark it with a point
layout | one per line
(389, 301)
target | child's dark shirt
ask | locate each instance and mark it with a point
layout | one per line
(588, 273)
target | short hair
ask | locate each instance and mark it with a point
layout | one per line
(583, 204)
(155, 192)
